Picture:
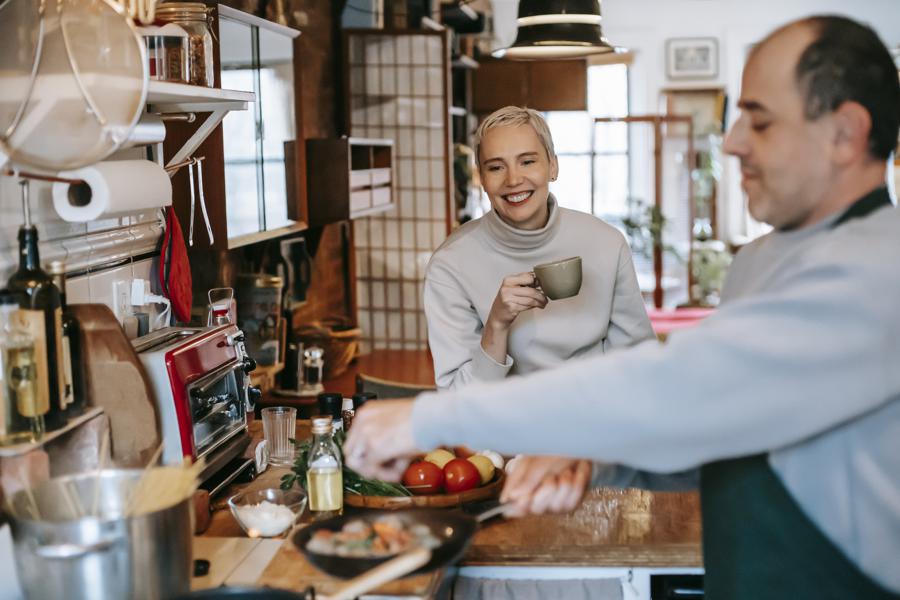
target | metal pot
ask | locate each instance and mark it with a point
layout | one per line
(109, 556)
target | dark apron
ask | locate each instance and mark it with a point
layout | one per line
(758, 544)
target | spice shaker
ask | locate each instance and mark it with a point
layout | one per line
(313, 364)
(347, 413)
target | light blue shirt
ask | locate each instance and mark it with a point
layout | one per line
(802, 361)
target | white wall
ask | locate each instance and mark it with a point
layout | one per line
(643, 26)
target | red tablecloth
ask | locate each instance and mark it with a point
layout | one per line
(665, 321)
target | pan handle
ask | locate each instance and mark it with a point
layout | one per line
(491, 513)
(395, 568)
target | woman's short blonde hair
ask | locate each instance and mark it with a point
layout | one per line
(513, 116)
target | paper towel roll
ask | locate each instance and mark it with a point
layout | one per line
(110, 188)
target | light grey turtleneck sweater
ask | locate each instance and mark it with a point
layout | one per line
(465, 274)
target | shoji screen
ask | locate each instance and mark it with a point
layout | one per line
(398, 89)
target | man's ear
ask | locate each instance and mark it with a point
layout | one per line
(852, 126)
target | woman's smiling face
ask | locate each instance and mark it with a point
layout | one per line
(516, 173)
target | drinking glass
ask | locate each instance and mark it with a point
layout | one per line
(221, 306)
(279, 425)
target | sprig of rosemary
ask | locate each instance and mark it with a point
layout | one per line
(354, 483)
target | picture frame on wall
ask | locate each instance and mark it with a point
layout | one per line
(692, 58)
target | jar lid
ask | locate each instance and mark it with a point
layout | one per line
(361, 398)
(313, 352)
(56, 267)
(173, 6)
(330, 403)
(321, 424)
(183, 10)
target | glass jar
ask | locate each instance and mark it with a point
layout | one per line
(324, 476)
(167, 52)
(193, 17)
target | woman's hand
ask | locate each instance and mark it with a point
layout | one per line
(539, 484)
(517, 294)
(381, 443)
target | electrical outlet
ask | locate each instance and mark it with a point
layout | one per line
(122, 298)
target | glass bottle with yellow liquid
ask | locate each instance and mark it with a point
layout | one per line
(22, 409)
(324, 478)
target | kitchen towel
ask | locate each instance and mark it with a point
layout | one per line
(111, 188)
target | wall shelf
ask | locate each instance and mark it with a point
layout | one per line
(22, 449)
(349, 178)
(167, 96)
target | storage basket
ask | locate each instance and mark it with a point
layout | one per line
(338, 337)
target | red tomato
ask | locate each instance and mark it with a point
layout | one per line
(423, 477)
(460, 475)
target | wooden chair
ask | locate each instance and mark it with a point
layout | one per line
(385, 388)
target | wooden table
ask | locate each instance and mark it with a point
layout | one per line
(612, 528)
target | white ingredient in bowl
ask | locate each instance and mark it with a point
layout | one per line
(265, 519)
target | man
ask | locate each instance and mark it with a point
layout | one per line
(788, 397)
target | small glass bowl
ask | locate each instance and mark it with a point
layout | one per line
(264, 521)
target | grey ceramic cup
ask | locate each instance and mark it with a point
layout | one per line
(561, 278)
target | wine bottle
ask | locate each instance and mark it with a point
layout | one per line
(21, 412)
(41, 314)
(71, 356)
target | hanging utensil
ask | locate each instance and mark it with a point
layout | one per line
(190, 169)
(209, 231)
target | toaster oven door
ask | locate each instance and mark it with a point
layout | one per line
(218, 407)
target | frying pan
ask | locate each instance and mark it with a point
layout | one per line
(453, 529)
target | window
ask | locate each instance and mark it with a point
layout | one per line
(594, 170)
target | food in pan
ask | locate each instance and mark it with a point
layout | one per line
(384, 536)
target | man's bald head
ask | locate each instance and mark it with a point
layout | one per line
(845, 61)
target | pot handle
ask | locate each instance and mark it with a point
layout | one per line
(72, 551)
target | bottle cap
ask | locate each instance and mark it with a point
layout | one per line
(56, 267)
(321, 424)
(9, 297)
(330, 404)
(361, 398)
(347, 404)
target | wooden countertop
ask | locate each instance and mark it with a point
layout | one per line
(612, 528)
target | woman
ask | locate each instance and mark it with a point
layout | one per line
(477, 332)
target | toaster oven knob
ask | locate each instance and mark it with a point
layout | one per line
(254, 395)
(234, 339)
(249, 365)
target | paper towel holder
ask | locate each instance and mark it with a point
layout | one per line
(171, 170)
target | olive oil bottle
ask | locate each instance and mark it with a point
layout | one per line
(21, 410)
(41, 315)
(324, 474)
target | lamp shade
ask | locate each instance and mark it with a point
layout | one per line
(557, 29)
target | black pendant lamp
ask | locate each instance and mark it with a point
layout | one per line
(557, 29)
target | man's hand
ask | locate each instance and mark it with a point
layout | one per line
(539, 484)
(381, 442)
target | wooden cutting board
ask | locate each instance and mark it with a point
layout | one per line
(290, 570)
(116, 381)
